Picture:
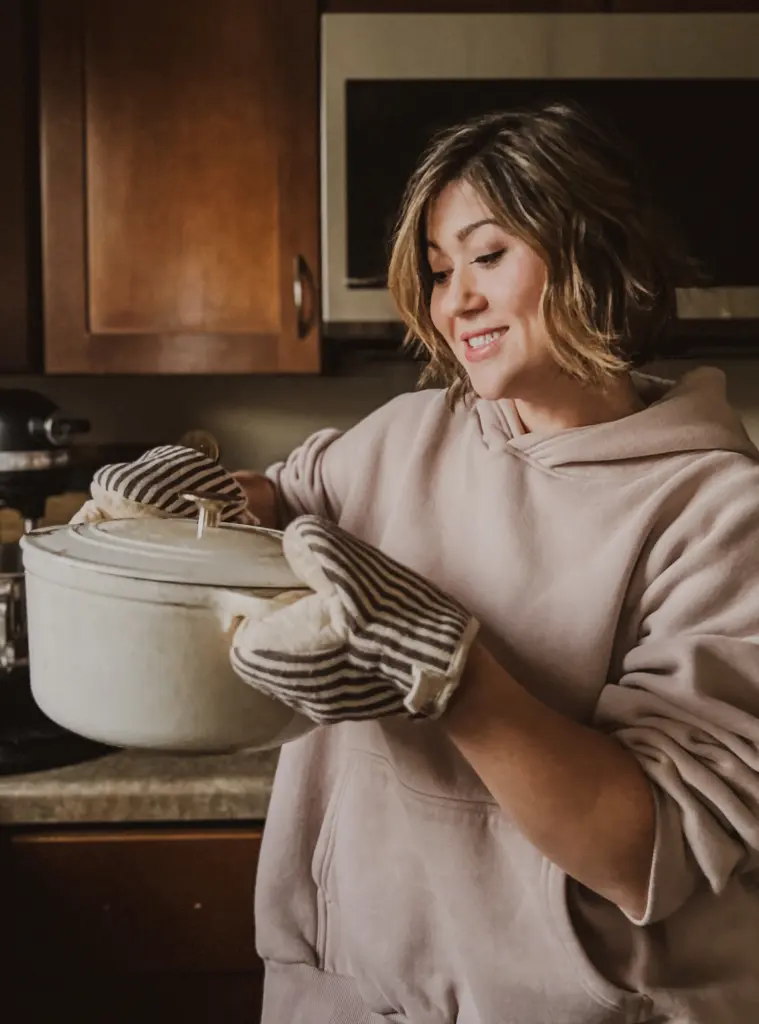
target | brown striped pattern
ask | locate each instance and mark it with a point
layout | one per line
(392, 621)
(162, 475)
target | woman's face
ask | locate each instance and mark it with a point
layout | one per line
(487, 297)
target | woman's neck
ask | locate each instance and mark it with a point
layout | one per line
(572, 404)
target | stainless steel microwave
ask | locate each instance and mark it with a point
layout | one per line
(683, 87)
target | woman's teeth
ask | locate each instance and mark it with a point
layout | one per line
(484, 339)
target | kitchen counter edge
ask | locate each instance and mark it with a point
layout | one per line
(128, 787)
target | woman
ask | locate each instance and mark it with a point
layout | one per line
(574, 839)
(533, 636)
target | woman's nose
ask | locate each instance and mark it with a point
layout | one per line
(462, 295)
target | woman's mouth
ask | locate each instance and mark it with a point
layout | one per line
(482, 346)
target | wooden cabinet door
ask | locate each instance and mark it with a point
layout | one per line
(125, 925)
(464, 6)
(141, 999)
(19, 298)
(685, 6)
(133, 901)
(179, 159)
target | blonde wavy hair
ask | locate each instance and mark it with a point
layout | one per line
(574, 193)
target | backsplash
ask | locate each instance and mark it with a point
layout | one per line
(258, 420)
(255, 419)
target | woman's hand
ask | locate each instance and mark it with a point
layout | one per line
(261, 495)
(155, 485)
(373, 639)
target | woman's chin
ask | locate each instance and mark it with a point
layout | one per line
(490, 386)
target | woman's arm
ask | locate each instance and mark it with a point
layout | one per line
(301, 484)
(575, 793)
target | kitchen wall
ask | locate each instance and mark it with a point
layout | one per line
(255, 419)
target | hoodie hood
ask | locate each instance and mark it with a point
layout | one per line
(689, 415)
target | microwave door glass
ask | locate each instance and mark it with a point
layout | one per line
(692, 135)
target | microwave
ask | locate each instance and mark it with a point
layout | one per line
(683, 88)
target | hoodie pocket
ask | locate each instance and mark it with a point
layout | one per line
(442, 912)
(320, 867)
(632, 1007)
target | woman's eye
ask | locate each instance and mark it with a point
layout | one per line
(439, 276)
(490, 257)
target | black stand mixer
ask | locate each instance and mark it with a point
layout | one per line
(38, 459)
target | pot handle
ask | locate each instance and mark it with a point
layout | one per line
(233, 605)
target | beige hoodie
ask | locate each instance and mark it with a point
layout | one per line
(615, 569)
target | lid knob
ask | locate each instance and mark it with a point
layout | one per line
(210, 508)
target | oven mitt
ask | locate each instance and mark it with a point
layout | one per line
(153, 485)
(374, 638)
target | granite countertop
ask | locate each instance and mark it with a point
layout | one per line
(138, 786)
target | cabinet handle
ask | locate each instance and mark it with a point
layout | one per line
(305, 305)
(366, 282)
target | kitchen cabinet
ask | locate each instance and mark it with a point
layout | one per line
(464, 6)
(112, 926)
(564, 6)
(19, 267)
(685, 6)
(179, 155)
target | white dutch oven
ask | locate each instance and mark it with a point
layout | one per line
(130, 624)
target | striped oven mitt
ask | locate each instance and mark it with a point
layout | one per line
(373, 639)
(153, 485)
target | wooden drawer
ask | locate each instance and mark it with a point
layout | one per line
(135, 999)
(133, 901)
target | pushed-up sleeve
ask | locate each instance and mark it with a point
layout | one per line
(364, 461)
(686, 701)
(302, 480)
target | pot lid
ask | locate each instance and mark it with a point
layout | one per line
(169, 551)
